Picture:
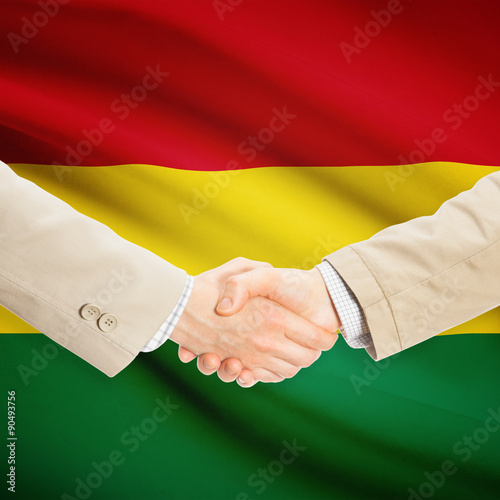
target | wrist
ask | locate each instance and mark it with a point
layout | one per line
(192, 330)
(325, 306)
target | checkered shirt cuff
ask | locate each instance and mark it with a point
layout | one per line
(354, 326)
(168, 327)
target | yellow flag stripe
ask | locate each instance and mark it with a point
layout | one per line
(289, 216)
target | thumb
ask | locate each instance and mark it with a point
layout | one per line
(238, 289)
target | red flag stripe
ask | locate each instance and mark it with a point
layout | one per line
(249, 84)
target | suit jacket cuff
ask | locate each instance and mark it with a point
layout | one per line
(379, 316)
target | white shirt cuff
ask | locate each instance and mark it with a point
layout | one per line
(354, 326)
(168, 327)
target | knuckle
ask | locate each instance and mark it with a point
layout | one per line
(313, 339)
(240, 260)
(232, 281)
(330, 341)
(232, 284)
(311, 358)
(274, 317)
(262, 343)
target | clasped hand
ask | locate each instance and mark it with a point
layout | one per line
(251, 322)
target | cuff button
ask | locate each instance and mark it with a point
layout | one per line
(107, 323)
(90, 312)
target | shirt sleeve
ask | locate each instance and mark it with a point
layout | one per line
(354, 326)
(168, 326)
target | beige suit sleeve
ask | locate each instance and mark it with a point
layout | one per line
(420, 278)
(54, 260)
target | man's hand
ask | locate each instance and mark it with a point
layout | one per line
(269, 340)
(303, 292)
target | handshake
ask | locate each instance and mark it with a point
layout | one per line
(251, 322)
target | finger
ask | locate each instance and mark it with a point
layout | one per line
(246, 379)
(305, 333)
(230, 369)
(295, 355)
(238, 289)
(208, 363)
(274, 370)
(283, 369)
(185, 355)
(263, 375)
(286, 335)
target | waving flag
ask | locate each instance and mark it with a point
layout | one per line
(362, 114)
